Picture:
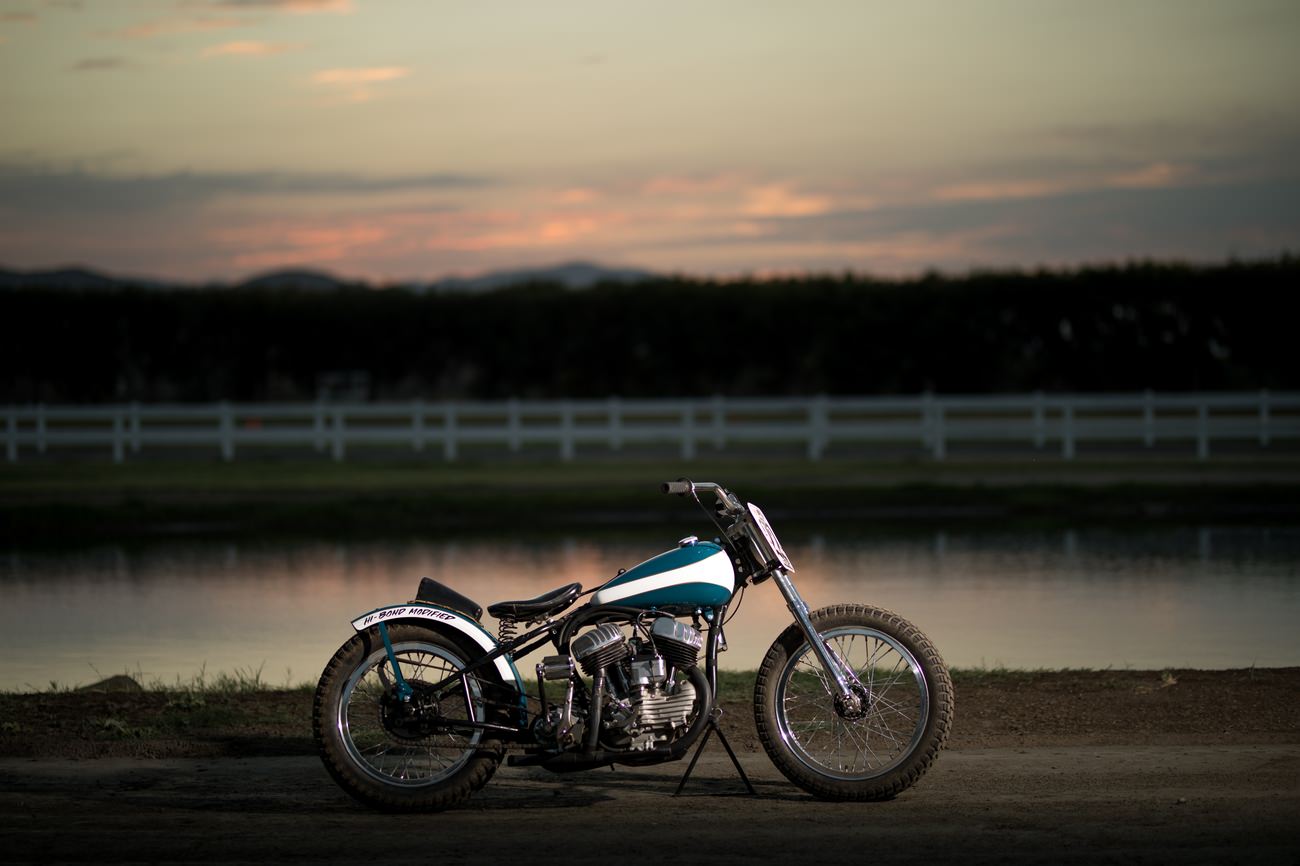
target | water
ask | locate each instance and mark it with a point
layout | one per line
(1207, 598)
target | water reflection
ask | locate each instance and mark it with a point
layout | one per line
(1199, 597)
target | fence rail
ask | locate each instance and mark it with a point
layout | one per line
(928, 424)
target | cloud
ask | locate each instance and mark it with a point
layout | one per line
(780, 200)
(1000, 190)
(355, 83)
(37, 191)
(247, 49)
(577, 195)
(100, 64)
(1152, 176)
(169, 26)
(353, 77)
(296, 6)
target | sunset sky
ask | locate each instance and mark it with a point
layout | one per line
(412, 139)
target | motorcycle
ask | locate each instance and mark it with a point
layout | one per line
(416, 711)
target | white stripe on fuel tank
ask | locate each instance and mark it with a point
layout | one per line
(715, 569)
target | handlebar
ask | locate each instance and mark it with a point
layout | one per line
(684, 486)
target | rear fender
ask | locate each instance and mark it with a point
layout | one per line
(449, 621)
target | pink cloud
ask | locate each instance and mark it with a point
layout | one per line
(283, 243)
(780, 200)
(355, 84)
(169, 26)
(296, 6)
(1002, 189)
(247, 48)
(577, 196)
(367, 75)
(1156, 175)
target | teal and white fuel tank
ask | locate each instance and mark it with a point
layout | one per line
(695, 574)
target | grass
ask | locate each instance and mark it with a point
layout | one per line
(55, 502)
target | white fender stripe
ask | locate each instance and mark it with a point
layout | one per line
(459, 623)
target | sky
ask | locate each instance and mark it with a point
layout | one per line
(397, 140)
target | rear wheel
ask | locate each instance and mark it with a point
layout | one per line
(404, 755)
(868, 749)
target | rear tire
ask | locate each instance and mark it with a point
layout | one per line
(872, 753)
(388, 760)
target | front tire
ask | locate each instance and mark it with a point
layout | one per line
(380, 751)
(872, 752)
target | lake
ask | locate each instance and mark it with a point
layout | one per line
(1204, 597)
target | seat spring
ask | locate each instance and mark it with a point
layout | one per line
(506, 629)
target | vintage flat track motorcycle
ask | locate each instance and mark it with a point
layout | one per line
(416, 711)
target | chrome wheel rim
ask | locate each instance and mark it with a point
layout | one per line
(397, 761)
(892, 721)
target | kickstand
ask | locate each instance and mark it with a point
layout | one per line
(711, 727)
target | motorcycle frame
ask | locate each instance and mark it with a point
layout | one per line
(558, 632)
(749, 550)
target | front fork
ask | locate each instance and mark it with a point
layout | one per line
(836, 667)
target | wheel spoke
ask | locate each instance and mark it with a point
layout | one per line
(840, 743)
(406, 755)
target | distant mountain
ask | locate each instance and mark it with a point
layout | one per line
(573, 275)
(300, 280)
(78, 279)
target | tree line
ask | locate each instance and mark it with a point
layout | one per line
(1168, 327)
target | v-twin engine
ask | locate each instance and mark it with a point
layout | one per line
(646, 705)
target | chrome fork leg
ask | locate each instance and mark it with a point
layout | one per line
(830, 660)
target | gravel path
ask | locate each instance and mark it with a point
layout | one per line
(1060, 803)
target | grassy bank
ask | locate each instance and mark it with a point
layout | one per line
(61, 500)
(242, 716)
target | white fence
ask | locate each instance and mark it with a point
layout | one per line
(928, 424)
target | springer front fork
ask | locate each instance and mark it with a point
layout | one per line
(831, 661)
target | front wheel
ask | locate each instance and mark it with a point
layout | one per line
(870, 749)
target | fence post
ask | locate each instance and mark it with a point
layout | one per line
(338, 432)
(1263, 418)
(817, 427)
(1040, 427)
(417, 425)
(119, 447)
(688, 431)
(937, 437)
(40, 428)
(11, 445)
(513, 422)
(1202, 432)
(719, 422)
(135, 427)
(450, 445)
(227, 424)
(318, 426)
(566, 431)
(1067, 431)
(614, 410)
(927, 421)
(1148, 419)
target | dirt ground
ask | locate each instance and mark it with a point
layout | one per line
(1104, 767)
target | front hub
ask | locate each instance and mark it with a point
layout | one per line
(855, 705)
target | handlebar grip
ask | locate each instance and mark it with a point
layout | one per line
(681, 488)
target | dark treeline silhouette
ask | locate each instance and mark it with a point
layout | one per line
(1165, 327)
